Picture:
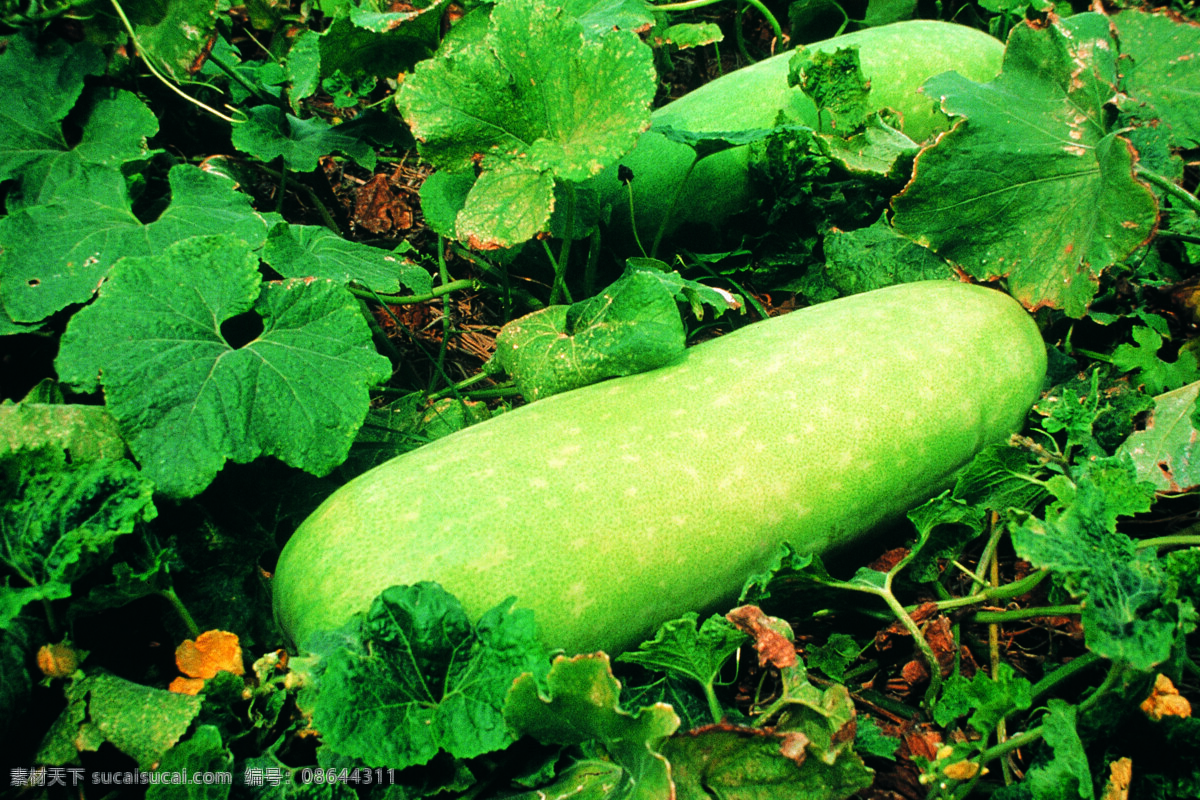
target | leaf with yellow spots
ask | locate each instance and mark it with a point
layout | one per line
(1034, 185)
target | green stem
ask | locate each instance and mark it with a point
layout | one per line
(1177, 540)
(1168, 186)
(558, 289)
(142, 51)
(249, 87)
(326, 217)
(714, 707)
(592, 264)
(169, 595)
(662, 227)
(989, 617)
(1014, 589)
(1068, 670)
(935, 669)
(438, 291)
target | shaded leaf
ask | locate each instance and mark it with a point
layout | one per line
(270, 132)
(59, 522)
(85, 433)
(201, 753)
(681, 649)
(754, 764)
(302, 251)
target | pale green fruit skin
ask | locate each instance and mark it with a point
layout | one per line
(896, 58)
(613, 508)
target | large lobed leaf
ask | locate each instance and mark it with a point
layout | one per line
(534, 99)
(1033, 185)
(57, 254)
(186, 399)
(429, 680)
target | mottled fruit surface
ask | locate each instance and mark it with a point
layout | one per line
(613, 508)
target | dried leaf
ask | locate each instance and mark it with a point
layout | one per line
(1165, 701)
(210, 653)
(770, 635)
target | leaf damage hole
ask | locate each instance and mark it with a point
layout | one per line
(34, 282)
(241, 329)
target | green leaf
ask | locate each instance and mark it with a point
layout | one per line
(679, 649)
(944, 525)
(1066, 775)
(870, 740)
(630, 327)
(428, 681)
(54, 255)
(534, 100)
(187, 399)
(59, 522)
(1164, 451)
(1127, 615)
(836, 84)
(175, 34)
(140, 721)
(443, 195)
(984, 700)
(41, 85)
(684, 35)
(581, 705)
(736, 763)
(832, 658)
(302, 251)
(1159, 67)
(874, 257)
(697, 295)
(270, 132)
(114, 124)
(1001, 477)
(1033, 185)
(598, 16)
(202, 752)
(1157, 375)
(85, 433)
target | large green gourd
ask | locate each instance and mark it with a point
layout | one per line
(613, 508)
(896, 58)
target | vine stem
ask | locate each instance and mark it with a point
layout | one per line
(687, 5)
(1169, 186)
(445, 288)
(145, 60)
(996, 617)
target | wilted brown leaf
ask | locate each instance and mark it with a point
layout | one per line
(770, 635)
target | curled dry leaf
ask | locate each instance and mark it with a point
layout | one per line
(1120, 776)
(1165, 701)
(771, 635)
(210, 653)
